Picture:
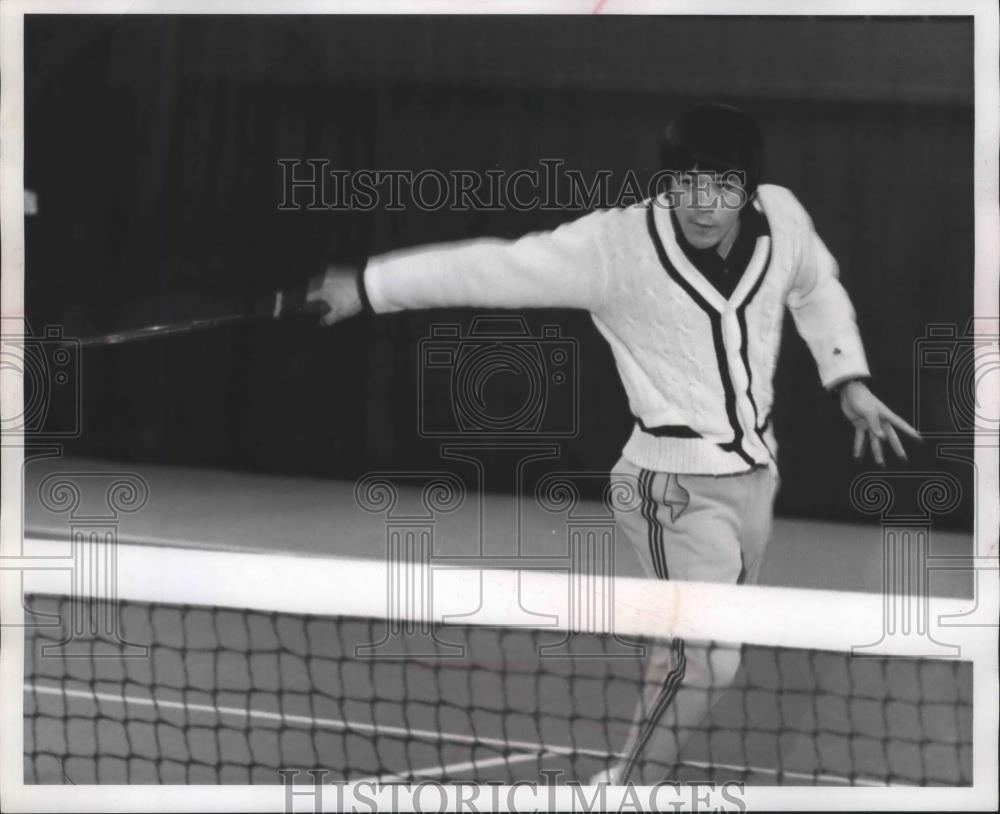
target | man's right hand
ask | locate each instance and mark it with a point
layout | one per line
(337, 287)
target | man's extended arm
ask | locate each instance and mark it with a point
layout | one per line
(825, 318)
(563, 268)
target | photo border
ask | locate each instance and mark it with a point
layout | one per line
(15, 796)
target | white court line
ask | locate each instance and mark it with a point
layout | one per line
(452, 768)
(325, 723)
(767, 770)
(832, 778)
(533, 750)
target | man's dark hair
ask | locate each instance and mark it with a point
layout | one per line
(715, 138)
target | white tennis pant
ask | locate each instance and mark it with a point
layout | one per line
(700, 528)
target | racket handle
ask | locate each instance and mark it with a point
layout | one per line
(290, 302)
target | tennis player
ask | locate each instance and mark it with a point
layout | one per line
(689, 289)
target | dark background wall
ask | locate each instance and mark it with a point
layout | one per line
(153, 144)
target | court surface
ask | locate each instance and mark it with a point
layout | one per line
(201, 710)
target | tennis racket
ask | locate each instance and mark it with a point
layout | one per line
(280, 304)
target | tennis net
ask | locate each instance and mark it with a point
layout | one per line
(227, 667)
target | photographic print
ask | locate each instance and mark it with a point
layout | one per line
(468, 407)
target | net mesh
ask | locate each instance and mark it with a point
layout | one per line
(185, 693)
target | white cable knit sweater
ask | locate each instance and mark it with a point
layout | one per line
(697, 369)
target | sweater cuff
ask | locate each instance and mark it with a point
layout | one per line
(839, 357)
(840, 384)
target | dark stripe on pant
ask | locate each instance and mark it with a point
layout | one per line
(658, 537)
(654, 534)
(666, 697)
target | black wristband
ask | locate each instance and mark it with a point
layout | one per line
(359, 279)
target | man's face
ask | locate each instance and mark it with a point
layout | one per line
(707, 205)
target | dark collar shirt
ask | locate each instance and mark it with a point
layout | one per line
(725, 272)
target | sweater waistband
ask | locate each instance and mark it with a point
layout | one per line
(694, 455)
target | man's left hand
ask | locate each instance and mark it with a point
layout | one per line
(874, 423)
